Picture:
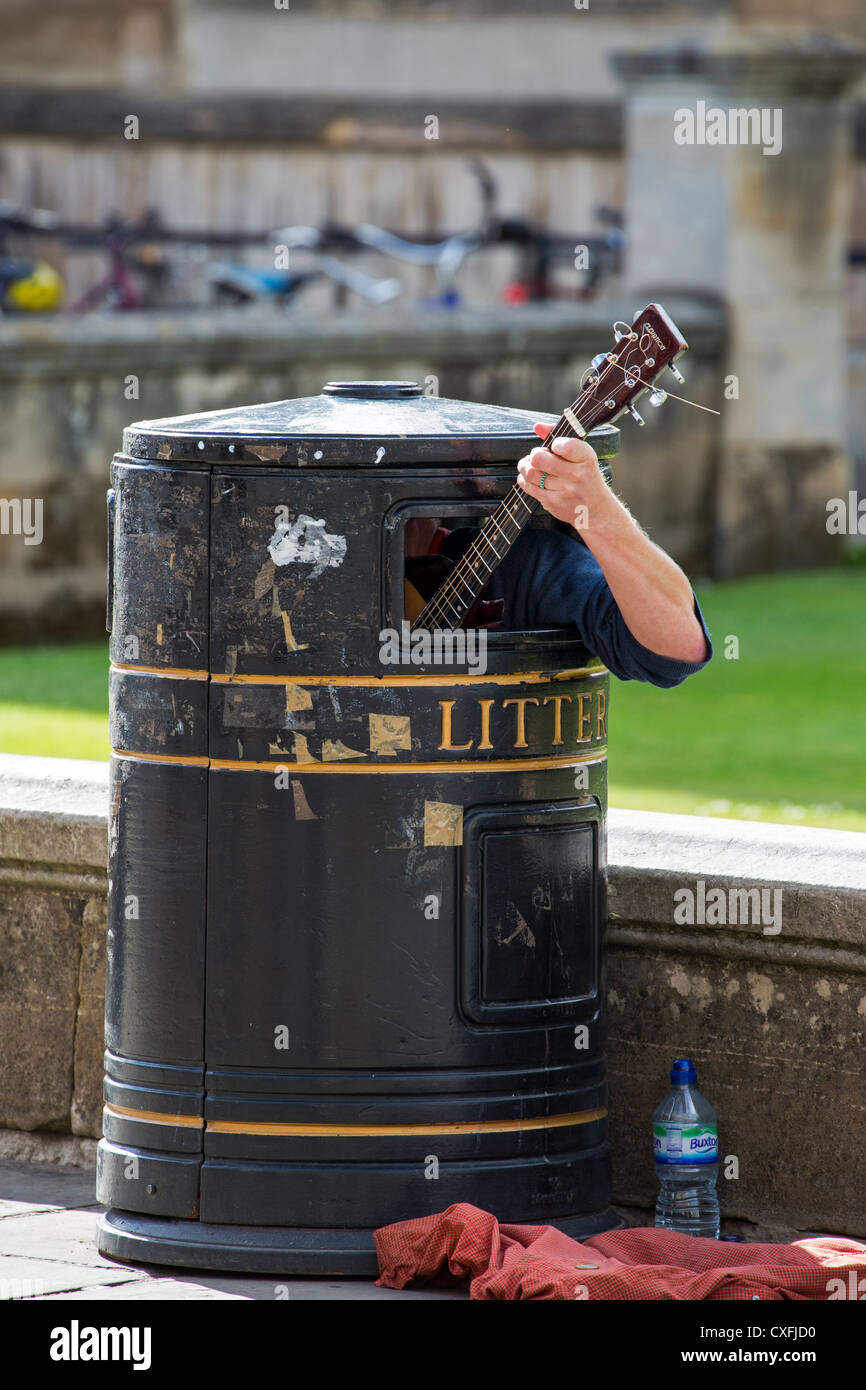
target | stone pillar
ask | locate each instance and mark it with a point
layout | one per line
(767, 233)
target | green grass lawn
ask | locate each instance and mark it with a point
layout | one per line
(777, 734)
(54, 700)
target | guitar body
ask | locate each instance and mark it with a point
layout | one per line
(413, 602)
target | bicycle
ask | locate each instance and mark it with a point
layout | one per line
(28, 285)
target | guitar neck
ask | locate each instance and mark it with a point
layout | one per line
(452, 601)
(642, 351)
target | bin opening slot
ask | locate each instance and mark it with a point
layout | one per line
(430, 541)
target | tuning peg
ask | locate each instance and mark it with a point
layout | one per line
(599, 360)
(657, 397)
(675, 373)
(635, 416)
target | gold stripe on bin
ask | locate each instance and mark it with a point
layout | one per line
(183, 759)
(341, 1131)
(302, 768)
(175, 673)
(460, 764)
(385, 682)
(156, 1117)
(338, 1131)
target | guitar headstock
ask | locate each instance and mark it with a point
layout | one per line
(641, 352)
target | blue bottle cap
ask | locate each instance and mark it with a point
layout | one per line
(683, 1072)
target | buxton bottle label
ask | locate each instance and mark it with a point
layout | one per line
(678, 1143)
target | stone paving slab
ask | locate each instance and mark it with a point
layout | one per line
(29, 1188)
(27, 1276)
(151, 1290)
(48, 1251)
(67, 1236)
(189, 1286)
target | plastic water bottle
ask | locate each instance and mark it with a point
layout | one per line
(686, 1152)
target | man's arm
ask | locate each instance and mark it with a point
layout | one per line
(653, 595)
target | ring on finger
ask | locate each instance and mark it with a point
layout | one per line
(544, 477)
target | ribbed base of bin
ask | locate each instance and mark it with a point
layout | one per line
(278, 1250)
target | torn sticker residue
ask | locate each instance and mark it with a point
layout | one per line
(334, 750)
(233, 709)
(302, 750)
(402, 833)
(297, 698)
(306, 542)
(267, 453)
(390, 733)
(264, 579)
(303, 810)
(519, 929)
(443, 823)
(292, 643)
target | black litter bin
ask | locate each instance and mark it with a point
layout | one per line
(356, 910)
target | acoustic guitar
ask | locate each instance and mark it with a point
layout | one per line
(442, 593)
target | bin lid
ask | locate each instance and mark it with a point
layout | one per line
(351, 423)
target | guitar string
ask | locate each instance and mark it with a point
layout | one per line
(560, 429)
(475, 552)
(466, 565)
(441, 604)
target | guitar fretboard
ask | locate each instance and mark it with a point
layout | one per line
(642, 351)
(452, 601)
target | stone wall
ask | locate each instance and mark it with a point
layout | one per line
(53, 835)
(775, 1021)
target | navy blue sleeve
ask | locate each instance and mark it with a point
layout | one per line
(549, 579)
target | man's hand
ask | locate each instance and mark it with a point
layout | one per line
(653, 595)
(573, 483)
